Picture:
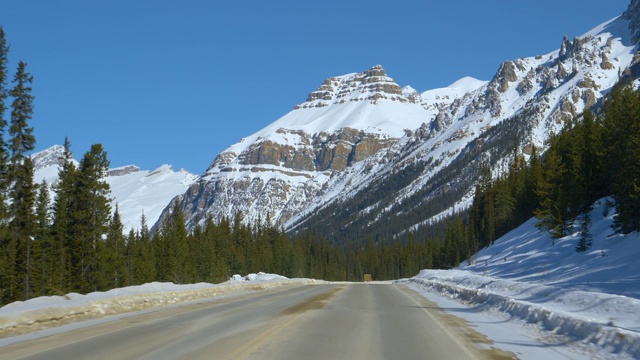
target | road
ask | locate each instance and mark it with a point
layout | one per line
(337, 321)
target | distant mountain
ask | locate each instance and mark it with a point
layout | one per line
(134, 190)
(363, 158)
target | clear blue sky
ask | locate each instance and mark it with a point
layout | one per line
(176, 82)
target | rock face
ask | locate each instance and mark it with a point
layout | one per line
(633, 15)
(357, 131)
(125, 170)
(371, 85)
(317, 152)
(52, 156)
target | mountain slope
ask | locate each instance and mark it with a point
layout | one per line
(364, 157)
(527, 100)
(134, 191)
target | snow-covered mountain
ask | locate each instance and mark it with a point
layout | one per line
(362, 153)
(135, 191)
(277, 171)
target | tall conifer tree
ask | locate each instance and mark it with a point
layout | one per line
(22, 227)
(4, 237)
(22, 139)
(90, 214)
(43, 239)
(62, 223)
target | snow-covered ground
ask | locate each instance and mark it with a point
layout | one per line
(539, 299)
(43, 316)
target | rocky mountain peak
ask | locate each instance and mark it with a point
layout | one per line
(371, 85)
(51, 156)
(570, 48)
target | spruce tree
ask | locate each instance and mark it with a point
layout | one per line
(59, 277)
(5, 261)
(173, 246)
(622, 136)
(592, 160)
(4, 59)
(90, 215)
(43, 238)
(22, 139)
(144, 270)
(22, 227)
(551, 212)
(112, 256)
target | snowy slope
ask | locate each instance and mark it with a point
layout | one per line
(134, 191)
(589, 301)
(444, 97)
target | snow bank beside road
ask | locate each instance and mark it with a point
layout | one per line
(588, 300)
(50, 311)
(611, 322)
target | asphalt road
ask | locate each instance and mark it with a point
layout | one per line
(338, 321)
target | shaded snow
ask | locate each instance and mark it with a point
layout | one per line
(587, 302)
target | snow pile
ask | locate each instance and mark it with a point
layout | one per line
(591, 299)
(257, 277)
(49, 311)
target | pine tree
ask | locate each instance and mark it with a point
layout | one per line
(144, 270)
(592, 160)
(90, 216)
(173, 249)
(622, 136)
(112, 256)
(505, 205)
(4, 59)
(551, 212)
(532, 179)
(22, 229)
(42, 237)
(586, 239)
(22, 138)
(5, 263)
(59, 277)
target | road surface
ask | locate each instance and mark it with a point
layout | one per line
(336, 321)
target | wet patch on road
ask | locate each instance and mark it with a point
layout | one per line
(314, 303)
